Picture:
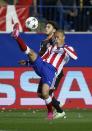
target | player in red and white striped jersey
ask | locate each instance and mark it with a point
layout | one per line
(59, 54)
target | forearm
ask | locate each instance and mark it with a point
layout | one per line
(70, 51)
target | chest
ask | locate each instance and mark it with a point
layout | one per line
(58, 51)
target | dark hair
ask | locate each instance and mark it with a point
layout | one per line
(53, 23)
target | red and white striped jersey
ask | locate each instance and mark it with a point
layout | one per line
(58, 56)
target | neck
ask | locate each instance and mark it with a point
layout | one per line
(49, 36)
(60, 45)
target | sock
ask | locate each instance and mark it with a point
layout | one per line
(55, 100)
(48, 102)
(56, 105)
(22, 45)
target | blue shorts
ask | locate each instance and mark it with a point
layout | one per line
(45, 70)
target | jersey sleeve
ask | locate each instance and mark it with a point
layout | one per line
(71, 52)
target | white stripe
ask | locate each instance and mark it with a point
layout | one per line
(48, 100)
(49, 58)
(60, 67)
(35, 32)
(71, 54)
(56, 60)
(27, 50)
(53, 82)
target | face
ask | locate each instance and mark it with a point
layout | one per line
(59, 38)
(49, 30)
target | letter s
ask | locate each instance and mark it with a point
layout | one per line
(8, 89)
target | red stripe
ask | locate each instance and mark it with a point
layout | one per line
(74, 53)
(53, 58)
(46, 55)
(60, 60)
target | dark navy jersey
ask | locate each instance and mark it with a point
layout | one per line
(45, 44)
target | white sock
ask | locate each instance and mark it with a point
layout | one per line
(48, 100)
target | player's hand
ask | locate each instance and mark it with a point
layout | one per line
(22, 62)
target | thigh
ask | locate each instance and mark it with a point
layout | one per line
(44, 70)
(48, 75)
(38, 65)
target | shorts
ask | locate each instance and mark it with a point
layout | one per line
(45, 70)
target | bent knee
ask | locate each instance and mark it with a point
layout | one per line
(45, 92)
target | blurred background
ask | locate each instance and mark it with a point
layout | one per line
(71, 15)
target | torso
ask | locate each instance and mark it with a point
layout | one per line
(56, 57)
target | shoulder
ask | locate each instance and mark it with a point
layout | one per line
(69, 47)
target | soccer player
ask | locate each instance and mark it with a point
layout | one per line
(50, 28)
(47, 66)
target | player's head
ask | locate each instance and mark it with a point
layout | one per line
(51, 27)
(59, 36)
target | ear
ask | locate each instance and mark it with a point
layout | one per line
(54, 30)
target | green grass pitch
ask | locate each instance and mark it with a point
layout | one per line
(35, 120)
